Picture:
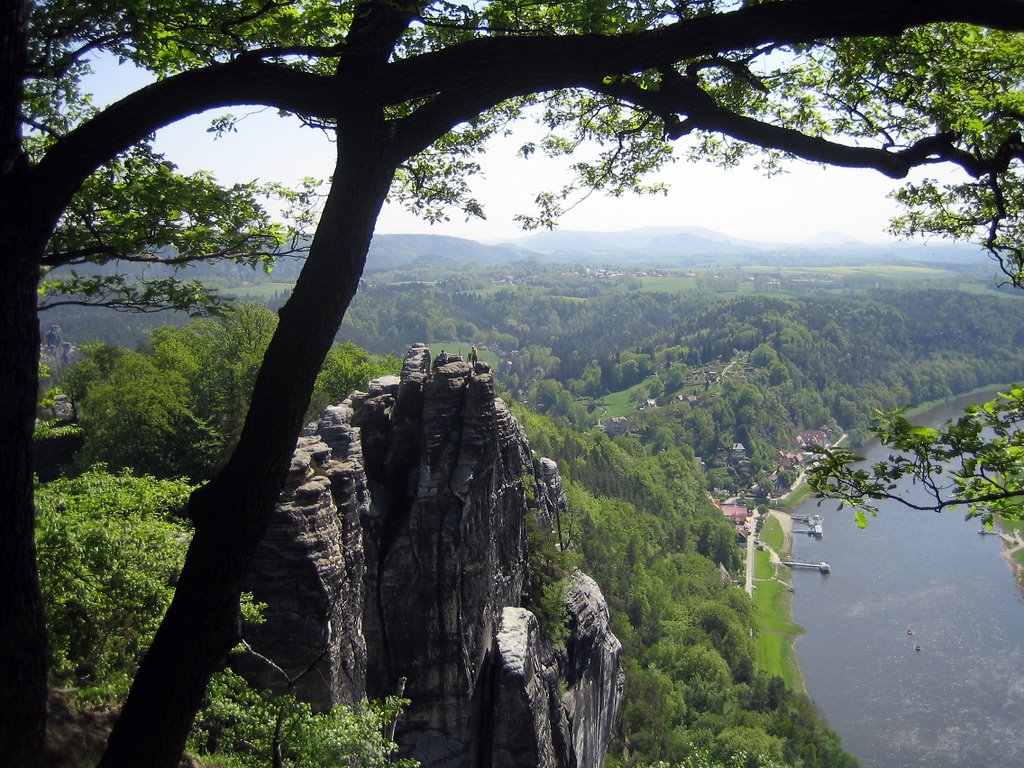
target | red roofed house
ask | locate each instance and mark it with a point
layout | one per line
(737, 513)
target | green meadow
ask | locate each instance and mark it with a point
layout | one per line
(776, 634)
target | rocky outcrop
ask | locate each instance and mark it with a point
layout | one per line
(551, 502)
(311, 565)
(592, 673)
(529, 724)
(55, 446)
(397, 561)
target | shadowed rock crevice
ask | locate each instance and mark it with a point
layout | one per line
(398, 553)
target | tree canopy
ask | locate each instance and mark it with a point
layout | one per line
(973, 462)
(410, 90)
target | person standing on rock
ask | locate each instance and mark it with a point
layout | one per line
(473, 355)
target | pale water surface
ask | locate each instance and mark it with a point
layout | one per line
(956, 703)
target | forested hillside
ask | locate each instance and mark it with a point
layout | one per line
(639, 520)
(582, 318)
(642, 525)
(722, 366)
(727, 357)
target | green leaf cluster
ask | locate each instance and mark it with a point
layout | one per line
(110, 547)
(241, 727)
(140, 210)
(973, 462)
(138, 206)
(167, 37)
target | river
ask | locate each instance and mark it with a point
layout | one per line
(958, 702)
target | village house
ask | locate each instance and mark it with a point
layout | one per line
(618, 425)
(808, 437)
(723, 572)
(737, 513)
(789, 459)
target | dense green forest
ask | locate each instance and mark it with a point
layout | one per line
(645, 530)
(694, 370)
(723, 366)
(174, 405)
(639, 521)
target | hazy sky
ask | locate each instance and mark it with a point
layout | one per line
(800, 205)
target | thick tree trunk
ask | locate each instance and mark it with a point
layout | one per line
(231, 512)
(22, 628)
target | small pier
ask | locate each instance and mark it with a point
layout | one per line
(821, 567)
(813, 523)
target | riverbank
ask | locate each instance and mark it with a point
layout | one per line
(976, 395)
(1013, 549)
(773, 594)
(775, 643)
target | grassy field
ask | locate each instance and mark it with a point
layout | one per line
(987, 291)
(796, 496)
(668, 284)
(621, 403)
(740, 279)
(898, 271)
(772, 600)
(262, 291)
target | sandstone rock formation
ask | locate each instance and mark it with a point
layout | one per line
(397, 559)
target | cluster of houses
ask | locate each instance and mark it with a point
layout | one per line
(809, 437)
(798, 456)
(792, 459)
(619, 425)
(803, 451)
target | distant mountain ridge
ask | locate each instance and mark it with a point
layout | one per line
(394, 251)
(645, 247)
(698, 246)
(658, 241)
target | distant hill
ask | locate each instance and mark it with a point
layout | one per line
(697, 246)
(394, 251)
(664, 247)
(650, 242)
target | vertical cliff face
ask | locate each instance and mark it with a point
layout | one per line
(396, 561)
(310, 567)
